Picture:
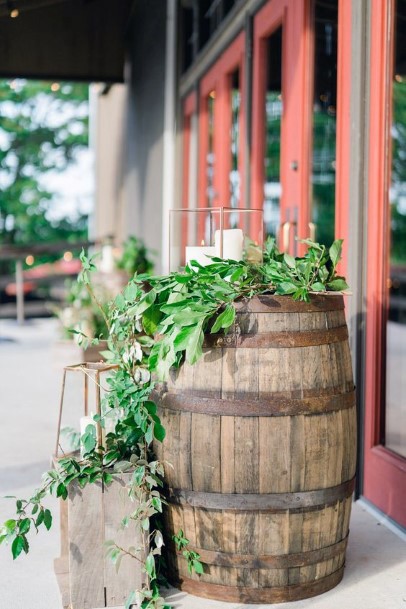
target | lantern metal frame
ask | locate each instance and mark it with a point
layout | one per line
(249, 219)
(93, 371)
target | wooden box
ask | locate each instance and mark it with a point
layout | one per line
(87, 578)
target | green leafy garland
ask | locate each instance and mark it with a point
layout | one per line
(155, 324)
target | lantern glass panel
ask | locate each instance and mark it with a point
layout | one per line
(222, 232)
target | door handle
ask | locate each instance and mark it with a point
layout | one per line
(285, 236)
(312, 231)
(286, 229)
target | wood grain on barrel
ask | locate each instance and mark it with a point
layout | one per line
(226, 439)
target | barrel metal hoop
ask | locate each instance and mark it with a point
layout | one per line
(269, 502)
(263, 407)
(280, 561)
(277, 340)
(275, 594)
(281, 304)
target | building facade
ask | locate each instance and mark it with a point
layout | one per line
(297, 107)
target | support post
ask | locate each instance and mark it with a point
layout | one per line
(20, 292)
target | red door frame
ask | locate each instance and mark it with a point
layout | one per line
(218, 79)
(296, 125)
(343, 129)
(189, 108)
(384, 471)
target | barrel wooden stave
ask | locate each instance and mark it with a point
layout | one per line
(233, 454)
(266, 453)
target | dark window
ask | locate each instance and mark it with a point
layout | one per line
(199, 20)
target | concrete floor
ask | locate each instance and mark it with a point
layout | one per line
(375, 576)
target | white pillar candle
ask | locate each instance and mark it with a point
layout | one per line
(107, 259)
(233, 243)
(200, 254)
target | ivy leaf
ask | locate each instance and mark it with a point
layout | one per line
(24, 526)
(285, 287)
(131, 291)
(323, 273)
(159, 432)
(289, 261)
(174, 306)
(311, 244)
(188, 317)
(10, 526)
(197, 567)
(108, 355)
(47, 519)
(89, 438)
(150, 406)
(146, 301)
(335, 252)
(149, 435)
(119, 301)
(158, 539)
(40, 518)
(107, 478)
(194, 346)
(61, 491)
(150, 566)
(318, 287)
(338, 285)
(183, 337)
(151, 318)
(224, 320)
(18, 546)
(237, 274)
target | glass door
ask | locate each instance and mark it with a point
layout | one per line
(385, 416)
(294, 171)
(189, 117)
(324, 122)
(221, 125)
(281, 119)
(395, 394)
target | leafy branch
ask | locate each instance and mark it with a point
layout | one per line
(192, 557)
(155, 324)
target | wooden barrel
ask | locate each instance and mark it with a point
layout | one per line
(261, 438)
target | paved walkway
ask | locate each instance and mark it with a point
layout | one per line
(375, 576)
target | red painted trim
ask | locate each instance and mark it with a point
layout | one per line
(218, 79)
(343, 140)
(295, 18)
(305, 146)
(266, 21)
(190, 104)
(384, 472)
(189, 108)
(203, 151)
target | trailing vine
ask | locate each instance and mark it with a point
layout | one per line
(154, 324)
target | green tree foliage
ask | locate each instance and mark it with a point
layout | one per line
(41, 130)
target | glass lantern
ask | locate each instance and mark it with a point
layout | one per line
(83, 389)
(223, 232)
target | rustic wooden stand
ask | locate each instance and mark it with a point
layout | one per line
(87, 578)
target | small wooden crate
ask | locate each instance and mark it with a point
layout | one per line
(86, 576)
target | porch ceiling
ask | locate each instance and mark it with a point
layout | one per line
(64, 39)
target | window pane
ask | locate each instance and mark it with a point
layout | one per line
(396, 326)
(235, 140)
(210, 160)
(273, 115)
(323, 179)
